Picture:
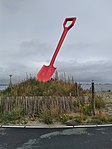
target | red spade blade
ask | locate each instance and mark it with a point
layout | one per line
(45, 73)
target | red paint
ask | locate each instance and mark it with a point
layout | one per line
(46, 72)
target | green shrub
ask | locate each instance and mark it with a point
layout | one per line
(99, 102)
(18, 111)
(76, 103)
(78, 119)
(87, 109)
(110, 119)
(95, 121)
(64, 118)
(48, 120)
(47, 116)
(99, 119)
(11, 117)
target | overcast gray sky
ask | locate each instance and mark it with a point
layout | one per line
(30, 31)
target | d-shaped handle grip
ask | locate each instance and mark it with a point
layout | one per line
(72, 20)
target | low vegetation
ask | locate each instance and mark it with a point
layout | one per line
(31, 87)
(49, 114)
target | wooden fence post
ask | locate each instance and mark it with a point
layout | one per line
(93, 98)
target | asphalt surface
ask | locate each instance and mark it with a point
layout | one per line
(56, 138)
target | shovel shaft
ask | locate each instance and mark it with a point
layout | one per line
(58, 46)
(66, 28)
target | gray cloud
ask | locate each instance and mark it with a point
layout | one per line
(87, 71)
(28, 57)
(30, 30)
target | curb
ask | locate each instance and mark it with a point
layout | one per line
(78, 126)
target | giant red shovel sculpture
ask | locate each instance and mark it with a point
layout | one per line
(46, 72)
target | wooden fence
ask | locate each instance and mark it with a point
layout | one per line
(36, 104)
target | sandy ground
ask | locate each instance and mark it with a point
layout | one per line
(37, 123)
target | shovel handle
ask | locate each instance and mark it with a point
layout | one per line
(72, 20)
(66, 28)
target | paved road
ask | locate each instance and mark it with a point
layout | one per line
(57, 138)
